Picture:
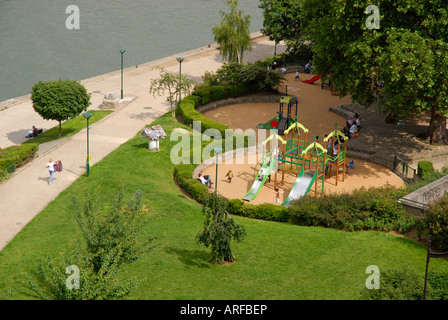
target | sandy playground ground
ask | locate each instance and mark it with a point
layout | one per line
(313, 113)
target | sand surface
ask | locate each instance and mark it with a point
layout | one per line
(314, 114)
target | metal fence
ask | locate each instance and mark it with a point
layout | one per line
(404, 170)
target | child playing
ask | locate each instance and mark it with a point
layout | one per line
(297, 76)
(229, 176)
(277, 195)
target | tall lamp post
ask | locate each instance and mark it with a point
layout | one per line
(275, 47)
(180, 75)
(217, 150)
(122, 51)
(88, 115)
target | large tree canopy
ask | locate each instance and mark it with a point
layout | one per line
(59, 100)
(233, 35)
(407, 54)
(287, 26)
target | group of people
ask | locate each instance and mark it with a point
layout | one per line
(352, 126)
(274, 67)
(205, 179)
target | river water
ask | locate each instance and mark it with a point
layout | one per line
(36, 45)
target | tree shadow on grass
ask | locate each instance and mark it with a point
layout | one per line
(192, 258)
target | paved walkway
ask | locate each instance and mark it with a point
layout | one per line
(27, 192)
(380, 142)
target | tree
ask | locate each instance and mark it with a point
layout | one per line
(110, 239)
(219, 230)
(169, 81)
(233, 34)
(407, 54)
(60, 100)
(287, 26)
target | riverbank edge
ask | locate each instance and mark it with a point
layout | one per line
(168, 59)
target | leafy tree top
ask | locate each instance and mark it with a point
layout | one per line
(60, 100)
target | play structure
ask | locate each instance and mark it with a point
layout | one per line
(268, 164)
(337, 154)
(285, 117)
(308, 160)
(312, 80)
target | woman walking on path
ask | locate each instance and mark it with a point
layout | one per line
(50, 165)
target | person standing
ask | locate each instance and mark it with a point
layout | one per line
(229, 176)
(50, 166)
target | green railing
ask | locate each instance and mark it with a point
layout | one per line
(404, 170)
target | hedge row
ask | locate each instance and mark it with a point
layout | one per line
(199, 97)
(17, 155)
(200, 192)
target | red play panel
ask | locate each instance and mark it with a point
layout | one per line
(274, 124)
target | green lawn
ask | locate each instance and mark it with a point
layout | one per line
(69, 127)
(276, 260)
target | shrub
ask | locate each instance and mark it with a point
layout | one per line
(193, 187)
(253, 75)
(424, 168)
(17, 155)
(403, 284)
(435, 222)
(364, 209)
(439, 283)
(189, 114)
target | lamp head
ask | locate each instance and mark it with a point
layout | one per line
(122, 51)
(180, 59)
(87, 115)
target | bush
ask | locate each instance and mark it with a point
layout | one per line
(439, 283)
(254, 76)
(17, 155)
(399, 285)
(194, 188)
(364, 209)
(435, 222)
(189, 114)
(424, 168)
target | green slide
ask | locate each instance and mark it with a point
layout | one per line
(301, 187)
(263, 174)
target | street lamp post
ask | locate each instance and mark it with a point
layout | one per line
(217, 150)
(180, 76)
(88, 115)
(122, 51)
(275, 46)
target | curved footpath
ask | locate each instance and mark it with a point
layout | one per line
(27, 192)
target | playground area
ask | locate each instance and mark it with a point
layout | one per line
(256, 183)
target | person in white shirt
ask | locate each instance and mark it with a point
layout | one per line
(50, 165)
(353, 129)
(208, 182)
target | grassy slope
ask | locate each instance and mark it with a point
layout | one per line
(276, 261)
(69, 127)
